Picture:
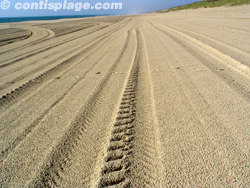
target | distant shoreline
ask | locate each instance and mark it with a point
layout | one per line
(38, 18)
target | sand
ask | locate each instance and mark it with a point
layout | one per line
(155, 100)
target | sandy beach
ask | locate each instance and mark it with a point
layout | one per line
(154, 100)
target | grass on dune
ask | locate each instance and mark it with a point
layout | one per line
(209, 3)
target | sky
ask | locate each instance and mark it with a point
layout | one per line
(7, 7)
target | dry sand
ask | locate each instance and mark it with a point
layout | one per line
(157, 100)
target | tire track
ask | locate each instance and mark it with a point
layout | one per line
(118, 158)
(207, 38)
(149, 169)
(66, 51)
(206, 116)
(6, 99)
(35, 37)
(66, 66)
(225, 27)
(63, 54)
(60, 54)
(43, 49)
(226, 77)
(216, 54)
(133, 156)
(52, 173)
(15, 39)
(66, 32)
(5, 153)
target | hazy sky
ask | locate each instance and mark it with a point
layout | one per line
(129, 7)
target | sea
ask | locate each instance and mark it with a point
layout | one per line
(21, 19)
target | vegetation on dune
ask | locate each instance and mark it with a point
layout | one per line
(208, 3)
